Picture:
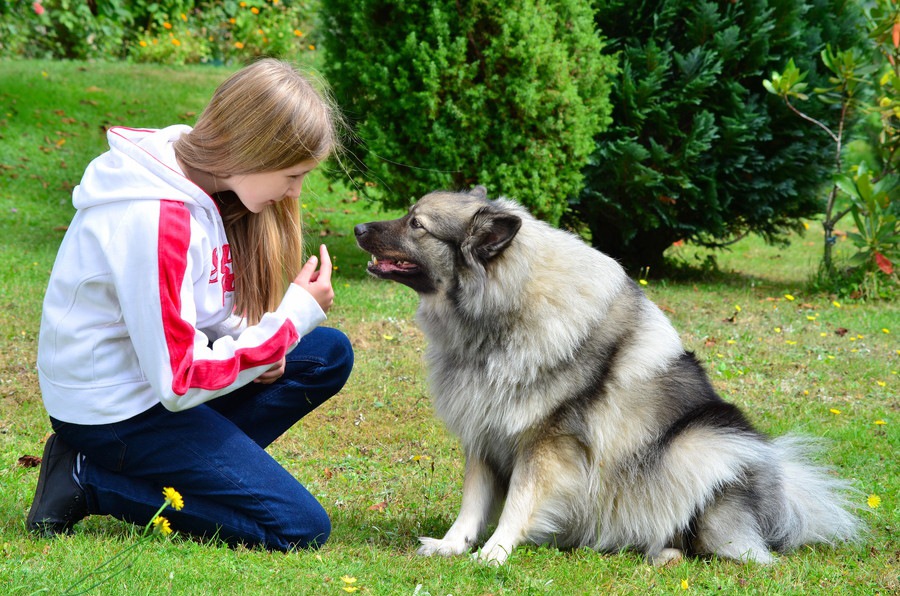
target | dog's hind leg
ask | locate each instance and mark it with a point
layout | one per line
(478, 499)
(729, 529)
(545, 501)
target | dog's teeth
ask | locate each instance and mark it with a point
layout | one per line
(374, 260)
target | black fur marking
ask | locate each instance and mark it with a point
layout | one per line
(604, 358)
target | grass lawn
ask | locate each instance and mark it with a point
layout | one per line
(375, 455)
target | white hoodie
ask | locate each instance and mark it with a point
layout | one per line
(139, 309)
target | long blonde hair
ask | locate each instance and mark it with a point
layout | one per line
(263, 118)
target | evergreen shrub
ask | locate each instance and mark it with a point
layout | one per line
(698, 149)
(446, 94)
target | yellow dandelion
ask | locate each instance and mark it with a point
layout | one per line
(142, 43)
(232, 20)
(880, 422)
(239, 45)
(874, 501)
(388, 337)
(788, 297)
(684, 584)
(298, 33)
(162, 525)
(811, 317)
(348, 579)
(254, 10)
(643, 282)
(835, 411)
(790, 342)
(884, 330)
(173, 497)
(823, 334)
(183, 17)
(737, 308)
(312, 48)
(881, 383)
(806, 392)
(167, 25)
(175, 42)
(836, 304)
(242, 4)
(778, 330)
(731, 342)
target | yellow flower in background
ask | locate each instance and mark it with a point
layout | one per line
(254, 10)
(885, 330)
(788, 297)
(836, 304)
(835, 411)
(239, 45)
(173, 497)
(348, 580)
(167, 25)
(684, 584)
(183, 17)
(874, 501)
(880, 422)
(161, 525)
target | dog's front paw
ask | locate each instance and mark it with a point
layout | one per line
(445, 548)
(494, 556)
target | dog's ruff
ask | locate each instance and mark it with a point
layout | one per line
(583, 420)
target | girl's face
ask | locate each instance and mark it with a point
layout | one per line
(257, 191)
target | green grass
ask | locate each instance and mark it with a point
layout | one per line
(376, 457)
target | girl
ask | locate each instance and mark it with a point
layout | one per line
(174, 346)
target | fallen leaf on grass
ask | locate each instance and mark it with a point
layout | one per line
(29, 461)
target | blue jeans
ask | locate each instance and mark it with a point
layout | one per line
(214, 455)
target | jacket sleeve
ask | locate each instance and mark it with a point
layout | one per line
(182, 363)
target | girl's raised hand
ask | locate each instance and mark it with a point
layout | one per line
(315, 278)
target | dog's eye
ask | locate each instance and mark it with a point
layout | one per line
(415, 223)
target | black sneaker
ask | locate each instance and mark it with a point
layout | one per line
(59, 503)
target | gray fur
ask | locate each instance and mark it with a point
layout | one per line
(583, 420)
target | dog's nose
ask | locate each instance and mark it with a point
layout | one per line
(360, 230)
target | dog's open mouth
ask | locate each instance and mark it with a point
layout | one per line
(386, 267)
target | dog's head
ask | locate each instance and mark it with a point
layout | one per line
(445, 235)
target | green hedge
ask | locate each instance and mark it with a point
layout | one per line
(699, 150)
(449, 94)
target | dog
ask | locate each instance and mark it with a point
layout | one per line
(583, 419)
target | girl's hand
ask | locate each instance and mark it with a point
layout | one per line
(318, 282)
(273, 374)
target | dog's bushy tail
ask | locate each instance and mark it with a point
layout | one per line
(817, 505)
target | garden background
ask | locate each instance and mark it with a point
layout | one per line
(797, 352)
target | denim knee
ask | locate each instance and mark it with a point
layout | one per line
(313, 531)
(334, 354)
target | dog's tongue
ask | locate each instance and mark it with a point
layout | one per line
(389, 264)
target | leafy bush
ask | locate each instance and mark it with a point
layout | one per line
(699, 151)
(864, 81)
(447, 94)
(168, 32)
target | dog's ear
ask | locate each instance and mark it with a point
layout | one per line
(479, 192)
(490, 232)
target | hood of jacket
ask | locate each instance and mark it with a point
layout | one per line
(139, 162)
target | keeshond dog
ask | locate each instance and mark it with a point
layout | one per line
(583, 419)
